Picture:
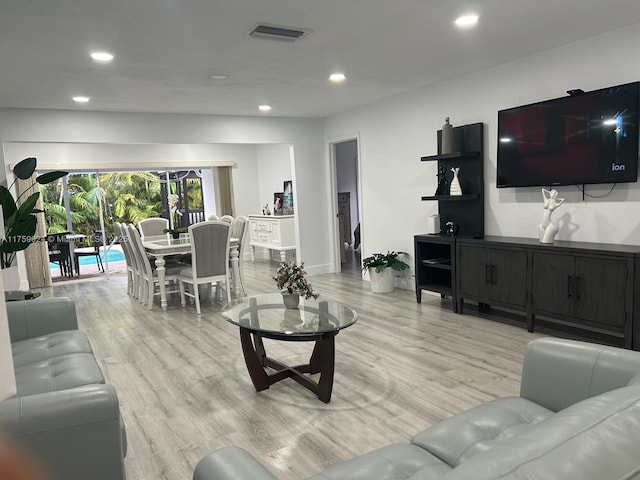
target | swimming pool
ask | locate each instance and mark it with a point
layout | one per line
(113, 255)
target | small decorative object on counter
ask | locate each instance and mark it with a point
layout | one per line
(451, 229)
(547, 230)
(447, 137)
(455, 189)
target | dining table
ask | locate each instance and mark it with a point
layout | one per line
(162, 245)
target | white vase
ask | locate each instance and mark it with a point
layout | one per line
(11, 278)
(455, 190)
(382, 282)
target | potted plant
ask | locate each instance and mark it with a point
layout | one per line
(290, 279)
(20, 219)
(381, 267)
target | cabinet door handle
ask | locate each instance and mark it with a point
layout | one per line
(494, 274)
(569, 286)
(578, 287)
(487, 279)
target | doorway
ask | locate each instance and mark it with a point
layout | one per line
(349, 237)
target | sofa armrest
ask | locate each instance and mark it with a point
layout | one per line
(557, 373)
(230, 463)
(32, 318)
(76, 433)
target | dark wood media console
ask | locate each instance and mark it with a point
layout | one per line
(589, 286)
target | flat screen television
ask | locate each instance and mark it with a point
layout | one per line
(579, 139)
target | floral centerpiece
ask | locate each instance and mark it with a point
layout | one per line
(175, 229)
(290, 279)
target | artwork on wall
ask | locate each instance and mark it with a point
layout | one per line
(287, 198)
(277, 203)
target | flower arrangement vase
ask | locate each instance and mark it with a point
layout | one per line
(290, 300)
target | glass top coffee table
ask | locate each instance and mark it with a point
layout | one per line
(265, 316)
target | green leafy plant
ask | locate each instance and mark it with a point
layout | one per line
(290, 278)
(20, 220)
(380, 261)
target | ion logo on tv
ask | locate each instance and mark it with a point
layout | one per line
(616, 168)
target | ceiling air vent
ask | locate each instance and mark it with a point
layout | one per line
(275, 32)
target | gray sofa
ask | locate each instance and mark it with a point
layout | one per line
(63, 412)
(577, 417)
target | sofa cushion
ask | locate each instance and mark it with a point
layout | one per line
(392, 462)
(56, 361)
(476, 430)
(595, 439)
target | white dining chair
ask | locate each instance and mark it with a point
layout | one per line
(151, 227)
(239, 230)
(226, 218)
(213, 218)
(147, 275)
(129, 258)
(209, 260)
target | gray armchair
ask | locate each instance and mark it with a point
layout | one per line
(62, 413)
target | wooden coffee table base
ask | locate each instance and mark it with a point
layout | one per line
(322, 361)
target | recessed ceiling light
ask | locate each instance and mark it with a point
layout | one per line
(337, 77)
(218, 76)
(467, 20)
(264, 108)
(102, 56)
(81, 99)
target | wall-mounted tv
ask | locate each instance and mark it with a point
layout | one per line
(584, 138)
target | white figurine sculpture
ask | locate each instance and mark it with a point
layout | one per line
(455, 189)
(547, 229)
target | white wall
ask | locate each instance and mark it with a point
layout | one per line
(274, 167)
(305, 135)
(396, 132)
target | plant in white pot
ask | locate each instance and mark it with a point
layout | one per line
(20, 216)
(382, 268)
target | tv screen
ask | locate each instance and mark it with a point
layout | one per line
(580, 139)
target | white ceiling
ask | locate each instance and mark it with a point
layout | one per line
(167, 50)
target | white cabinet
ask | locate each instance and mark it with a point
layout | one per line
(275, 232)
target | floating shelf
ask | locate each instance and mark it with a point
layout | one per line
(453, 198)
(449, 156)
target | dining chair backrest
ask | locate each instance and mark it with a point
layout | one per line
(213, 218)
(226, 218)
(135, 242)
(124, 244)
(150, 227)
(210, 248)
(239, 227)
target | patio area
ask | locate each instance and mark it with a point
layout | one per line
(89, 266)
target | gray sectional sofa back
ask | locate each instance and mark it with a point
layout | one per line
(63, 412)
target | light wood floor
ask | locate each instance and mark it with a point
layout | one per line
(184, 389)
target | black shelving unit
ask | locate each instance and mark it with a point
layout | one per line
(466, 210)
(435, 266)
(435, 255)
